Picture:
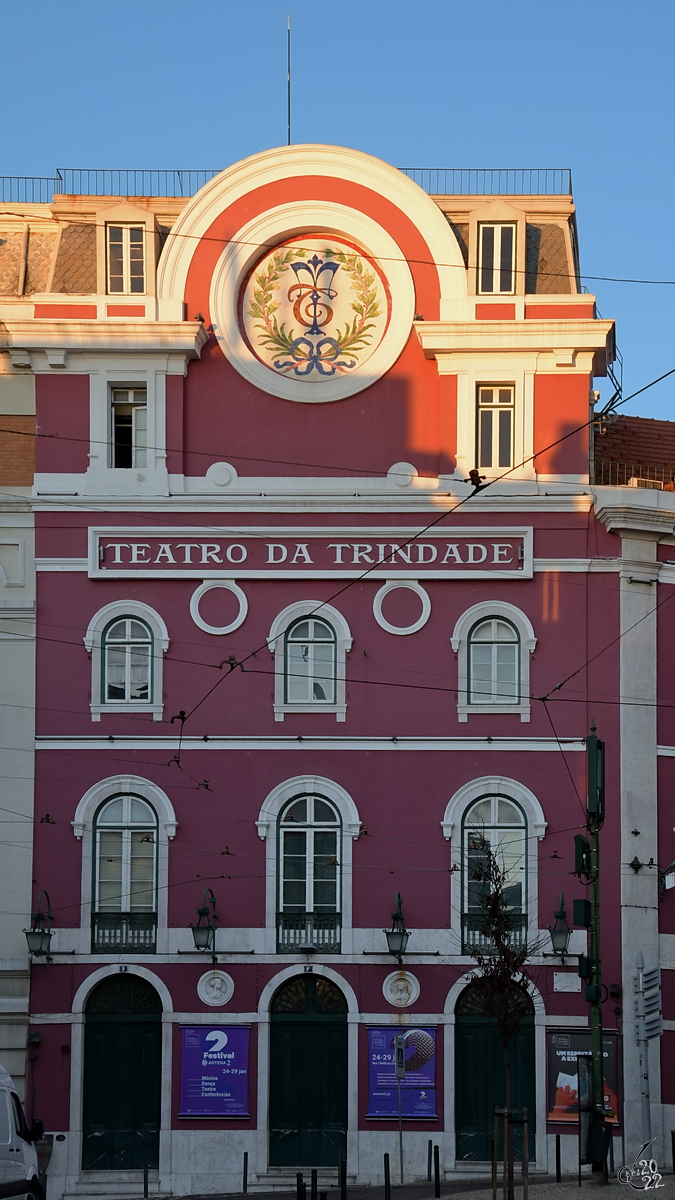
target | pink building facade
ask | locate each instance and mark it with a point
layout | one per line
(290, 664)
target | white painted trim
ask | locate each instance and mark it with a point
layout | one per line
(314, 160)
(230, 586)
(391, 586)
(92, 642)
(459, 642)
(267, 831)
(398, 744)
(83, 823)
(279, 225)
(493, 785)
(276, 646)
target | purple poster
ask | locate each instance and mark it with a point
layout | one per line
(418, 1089)
(214, 1075)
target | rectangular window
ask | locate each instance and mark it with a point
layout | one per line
(126, 260)
(129, 427)
(496, 259)
(494, 426)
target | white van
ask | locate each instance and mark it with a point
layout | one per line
(18, 1156)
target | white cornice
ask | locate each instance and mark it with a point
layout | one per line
(187, 337)
(290, 742)
(650, 512)
(523, 337)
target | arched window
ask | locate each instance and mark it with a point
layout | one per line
(127, 661)
(124, 909)
(494, 663)
(310, 662)
(494, 835)
(493, 642)
(127, 641)
(309, 879)
(309, 641)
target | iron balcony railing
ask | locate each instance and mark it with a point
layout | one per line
(641, 475)
(438, 181)
(306, 932)
(123, 933)
(492, 181)
(474, 938)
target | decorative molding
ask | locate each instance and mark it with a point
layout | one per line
(315, 785)
(215, 988)
(398, 744)
(491, 785)
(401, 988)
(229, 586)
(392, 586)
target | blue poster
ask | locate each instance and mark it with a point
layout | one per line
(214, 1071)
(418, 1088)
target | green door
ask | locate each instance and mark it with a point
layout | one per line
(480, 1082)
(122, 1075)
(308, 1074)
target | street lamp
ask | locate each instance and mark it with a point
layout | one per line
(39, 936)
(560, 931)
(204, 932)
(397, 936)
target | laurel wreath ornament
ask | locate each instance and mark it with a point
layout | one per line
(353, 339)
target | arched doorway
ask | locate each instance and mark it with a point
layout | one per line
(480, 1082)
(122, 1075)
(308, 1073)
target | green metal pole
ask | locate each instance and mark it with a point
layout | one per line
(596, 815)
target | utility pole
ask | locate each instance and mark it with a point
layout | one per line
(587, 913)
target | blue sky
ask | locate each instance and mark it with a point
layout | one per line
(435, 83)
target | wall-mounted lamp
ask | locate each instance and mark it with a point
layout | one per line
(560, 931)
(39, 936)
(397, 936)
(204, 932)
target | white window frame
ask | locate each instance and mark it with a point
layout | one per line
(495, 466)
(498, 227)
(460, 640)
(126, 827)
(277, 646)
(126, 228)
(461, 801)
(93, 644)
(83, 829)
(138, 452)
(127, 372)
(310, 829)
(267, 825)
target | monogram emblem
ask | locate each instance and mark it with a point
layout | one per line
(315, 309)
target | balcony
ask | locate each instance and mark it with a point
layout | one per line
(635, 474)
(308, 933)
(474, 939)
(123, 933)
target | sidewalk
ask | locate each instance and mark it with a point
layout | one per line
(544, 1187)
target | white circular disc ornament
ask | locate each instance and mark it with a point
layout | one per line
(401, 989)
(230, 586)
(215, 988)
(391, 586)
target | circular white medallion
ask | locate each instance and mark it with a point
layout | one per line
(391, 586)
(401, 988)
(215, 988)
(230, 586)
(312, 302)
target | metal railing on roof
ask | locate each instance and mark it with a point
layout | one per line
(488, 181)
(27, 189)
(451, 181)
(85, 181)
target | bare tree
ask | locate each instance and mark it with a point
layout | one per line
(502, 986)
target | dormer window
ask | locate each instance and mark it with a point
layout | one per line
(496, 259)
(126, 260)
